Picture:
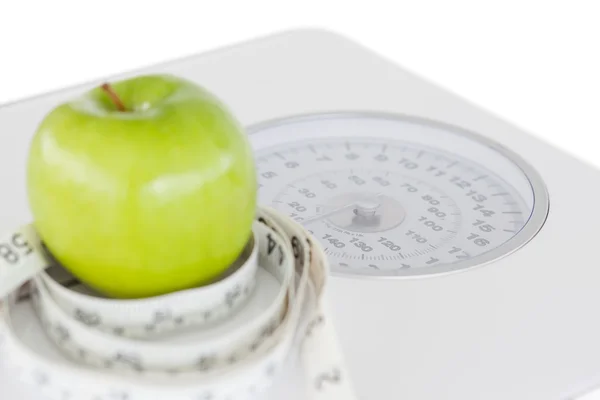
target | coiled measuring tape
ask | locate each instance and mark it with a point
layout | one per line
(117, 350)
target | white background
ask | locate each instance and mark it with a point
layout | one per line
(535, 63)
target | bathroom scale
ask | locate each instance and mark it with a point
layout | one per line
(461, 247)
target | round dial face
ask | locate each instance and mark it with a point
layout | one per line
(394, 196)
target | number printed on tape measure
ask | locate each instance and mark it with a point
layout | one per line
(13, 250)
(330, 377)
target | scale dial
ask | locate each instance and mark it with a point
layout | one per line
(398, 196)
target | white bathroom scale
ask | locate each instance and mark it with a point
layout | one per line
(462, 249)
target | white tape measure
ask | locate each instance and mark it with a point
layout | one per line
(224, 341)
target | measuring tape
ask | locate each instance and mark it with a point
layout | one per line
(115, 347)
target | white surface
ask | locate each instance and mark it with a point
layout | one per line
(521, 328)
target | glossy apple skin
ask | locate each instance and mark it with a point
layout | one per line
(156, 199)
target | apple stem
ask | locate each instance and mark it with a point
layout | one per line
(113, 96)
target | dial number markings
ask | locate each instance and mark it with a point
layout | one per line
(384, 205)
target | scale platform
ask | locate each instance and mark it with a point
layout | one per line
(462, 248)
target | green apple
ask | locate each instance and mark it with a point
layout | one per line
(144, 187)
